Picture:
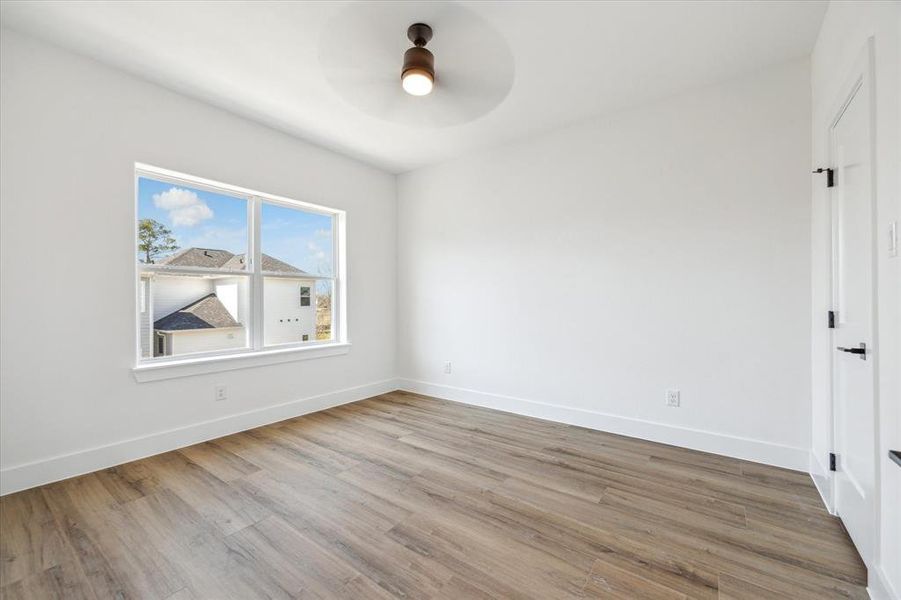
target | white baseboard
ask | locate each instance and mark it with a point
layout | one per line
(823, 481)
(879, 587)
(24, 476)
(707, 441)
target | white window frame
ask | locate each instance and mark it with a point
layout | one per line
(256, 353)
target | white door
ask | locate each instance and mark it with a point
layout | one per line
(853, 360)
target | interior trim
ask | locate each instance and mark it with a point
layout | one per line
(184, 367)
(823, 481)
(878, 585)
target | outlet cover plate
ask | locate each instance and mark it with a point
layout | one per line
(673, 398)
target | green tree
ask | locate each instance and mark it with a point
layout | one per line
(154, 239)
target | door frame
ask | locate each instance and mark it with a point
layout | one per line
(860, 76)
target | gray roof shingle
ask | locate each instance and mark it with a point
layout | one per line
(205, 313)
(211, 258)
(236, 262)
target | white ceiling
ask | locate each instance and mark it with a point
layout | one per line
(570, 60)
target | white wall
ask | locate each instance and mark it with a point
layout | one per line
(594, 267)
(846, 28)
(72, 131)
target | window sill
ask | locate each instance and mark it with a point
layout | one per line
(214, 364)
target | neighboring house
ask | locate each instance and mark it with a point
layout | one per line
(207, 312)
(201, 326)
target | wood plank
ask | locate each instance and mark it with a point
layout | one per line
(223, 464)
(109, 547)
(30, 541)
(606, 580)
(734, 588)
(65, 580)
(221, 504)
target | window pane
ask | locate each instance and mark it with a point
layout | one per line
(196, 313)
(325, 329)
(296, 310)
(288, 316)
(182, 226)
(295, 240)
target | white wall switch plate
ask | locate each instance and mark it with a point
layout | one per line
(221, 393)
(447, 367)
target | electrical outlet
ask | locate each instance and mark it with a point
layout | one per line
(447, 368)
(221, 393)
(672, 397)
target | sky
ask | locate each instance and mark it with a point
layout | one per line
(198, 218)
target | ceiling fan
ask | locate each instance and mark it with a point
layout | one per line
(474, 70)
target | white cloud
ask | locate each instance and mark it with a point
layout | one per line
(318, 253)
(323, 233)
(185, 208)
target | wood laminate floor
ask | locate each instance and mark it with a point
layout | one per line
(403, 496)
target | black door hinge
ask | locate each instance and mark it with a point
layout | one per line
(831, 319)
(832, 461)
(830, 176)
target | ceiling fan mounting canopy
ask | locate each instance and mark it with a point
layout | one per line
(419, 34)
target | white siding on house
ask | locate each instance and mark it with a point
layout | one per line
(146, 323)
(285, 320)
(171, 293)
(232, 292)
(205, 340)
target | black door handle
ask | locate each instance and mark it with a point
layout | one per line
(895, 455)
(861, 351)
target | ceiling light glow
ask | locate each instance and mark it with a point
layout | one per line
(417, 83)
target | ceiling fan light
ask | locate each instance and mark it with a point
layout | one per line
(417, 82)
(418, 73)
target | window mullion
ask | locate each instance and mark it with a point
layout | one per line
(256, 253)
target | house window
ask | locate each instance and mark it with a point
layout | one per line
(220, 269)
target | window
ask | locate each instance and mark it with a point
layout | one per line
(222, 270)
